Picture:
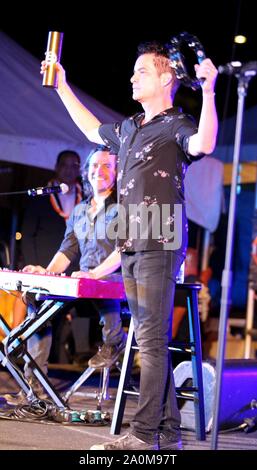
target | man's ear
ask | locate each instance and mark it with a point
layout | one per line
(166, 79)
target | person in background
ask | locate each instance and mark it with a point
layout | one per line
(87, 237)
(154, 149)
(45, 217)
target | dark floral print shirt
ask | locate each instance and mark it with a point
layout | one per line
(152, 162)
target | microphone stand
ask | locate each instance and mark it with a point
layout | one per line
(246, 73)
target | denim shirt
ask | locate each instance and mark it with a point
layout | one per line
(93, 237)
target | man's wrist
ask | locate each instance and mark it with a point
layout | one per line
(209, 94)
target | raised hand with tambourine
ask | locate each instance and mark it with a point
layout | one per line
(206, 72)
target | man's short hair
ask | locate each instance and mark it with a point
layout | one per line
(153, 47)
(98, 148)
(162, 60)
(88, 193)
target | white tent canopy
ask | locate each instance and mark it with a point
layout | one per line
(248, 151)
(34, 125)
(204, 192)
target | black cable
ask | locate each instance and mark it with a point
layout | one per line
(250, 424)
(236, 428)
(42, 410)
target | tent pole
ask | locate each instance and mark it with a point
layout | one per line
(13, 240)
(206, 249)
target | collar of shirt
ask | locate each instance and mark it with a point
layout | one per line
(92, 213)
(138, 118)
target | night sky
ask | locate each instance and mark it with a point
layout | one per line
(99, 48)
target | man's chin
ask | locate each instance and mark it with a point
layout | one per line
(136, 97)
(102, 189)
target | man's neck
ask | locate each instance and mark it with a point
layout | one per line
(155, 107)
(99, 198)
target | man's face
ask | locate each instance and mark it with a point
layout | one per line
(68, 169)
(102, 171)
(146, 81)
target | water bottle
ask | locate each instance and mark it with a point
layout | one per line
(53, 55)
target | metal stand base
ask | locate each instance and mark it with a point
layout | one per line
(103, 393)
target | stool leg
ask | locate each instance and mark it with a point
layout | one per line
(121, 397)
(195, 339)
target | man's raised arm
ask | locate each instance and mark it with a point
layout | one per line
(83, 118)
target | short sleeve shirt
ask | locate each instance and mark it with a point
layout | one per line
(152, 162)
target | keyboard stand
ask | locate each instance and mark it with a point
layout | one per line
(104, 382)
(14, 345)
(14, 341)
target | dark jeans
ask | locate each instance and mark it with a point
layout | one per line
(39, 344)
(149, 279)
(110, 319)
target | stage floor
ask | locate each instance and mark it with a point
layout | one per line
(17, 434)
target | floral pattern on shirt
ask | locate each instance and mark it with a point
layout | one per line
(142, 155)
(149, 200)
(153, 158)
(161, 173)
(129, 185)
(119, 175)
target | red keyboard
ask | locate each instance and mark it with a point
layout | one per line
(111, 288)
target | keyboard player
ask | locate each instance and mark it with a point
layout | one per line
(90, 232)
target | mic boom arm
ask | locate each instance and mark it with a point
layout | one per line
(42, 191)
(45, 191)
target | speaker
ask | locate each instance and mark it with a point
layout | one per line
(238, 393)
(183, 377)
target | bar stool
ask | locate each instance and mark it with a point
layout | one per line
(193, 346)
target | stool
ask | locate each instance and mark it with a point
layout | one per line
(195, 392)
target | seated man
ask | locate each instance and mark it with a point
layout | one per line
(44, 221)
(88, 235)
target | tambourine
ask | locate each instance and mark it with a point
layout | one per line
(178, 61)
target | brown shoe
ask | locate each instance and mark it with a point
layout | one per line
(20, 398)
(106, 356)
(168, 442)
(128, 442)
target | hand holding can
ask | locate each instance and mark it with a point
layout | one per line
(53, 55)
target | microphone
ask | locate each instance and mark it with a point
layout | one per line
(237, 68)
(45, 191)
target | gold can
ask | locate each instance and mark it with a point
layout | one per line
(53, 55)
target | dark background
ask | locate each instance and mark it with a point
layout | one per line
(99, 48)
